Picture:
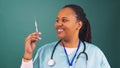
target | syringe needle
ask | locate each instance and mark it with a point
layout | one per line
(36, 26)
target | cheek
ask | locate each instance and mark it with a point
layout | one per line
(71, 27)
(68, 29)
(71, 30)
(55, 25)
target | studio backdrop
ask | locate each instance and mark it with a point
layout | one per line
(17, 22)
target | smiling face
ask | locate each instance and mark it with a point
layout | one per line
(67, 25)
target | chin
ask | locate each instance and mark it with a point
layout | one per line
(60, 36)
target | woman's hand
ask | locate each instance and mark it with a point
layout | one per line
(30, 44)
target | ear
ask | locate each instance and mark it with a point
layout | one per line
(80, 24)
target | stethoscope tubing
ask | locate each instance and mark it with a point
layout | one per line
(54, 49)
(83, 52)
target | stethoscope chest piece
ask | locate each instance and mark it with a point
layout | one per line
(51, 62)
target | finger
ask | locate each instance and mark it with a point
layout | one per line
(36, 34)
(35, 39)
(32, 39)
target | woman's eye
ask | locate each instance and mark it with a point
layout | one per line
(64, 20)
(56, 20)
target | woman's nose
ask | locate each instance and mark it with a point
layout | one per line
(60, 24)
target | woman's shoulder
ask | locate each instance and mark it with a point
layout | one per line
(91, 48)
(45, 49)
(96, 55)
(47, 46)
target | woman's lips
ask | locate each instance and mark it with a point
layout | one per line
(59, 30)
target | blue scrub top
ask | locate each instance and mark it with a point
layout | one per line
(96, 58)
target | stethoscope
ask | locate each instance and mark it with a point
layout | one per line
(51, 62)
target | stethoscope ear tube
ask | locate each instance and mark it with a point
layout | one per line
(83, 52)
(84, 46)
(55, 48)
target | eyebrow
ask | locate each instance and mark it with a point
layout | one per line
(62, 17)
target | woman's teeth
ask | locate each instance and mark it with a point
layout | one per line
(60, 30)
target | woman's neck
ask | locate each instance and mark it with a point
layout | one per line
(71, 43)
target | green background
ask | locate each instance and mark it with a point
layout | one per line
(17, 21)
